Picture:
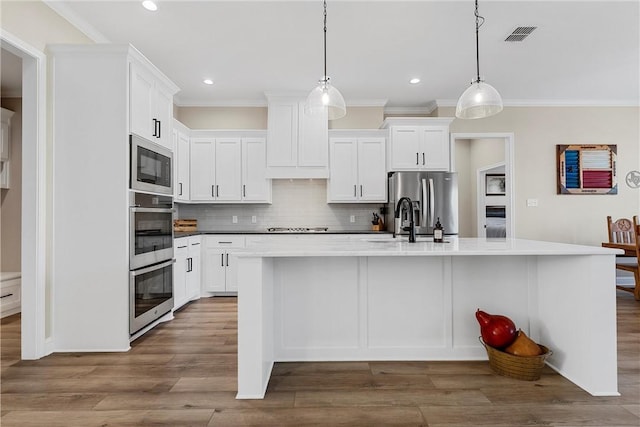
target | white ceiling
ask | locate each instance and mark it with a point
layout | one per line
(582, 53)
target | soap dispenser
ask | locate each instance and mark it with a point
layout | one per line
(438, 232)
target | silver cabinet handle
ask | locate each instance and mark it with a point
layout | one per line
(195, 244)
(417, 158)
(423, 159)
(361, 191)
(227, 260)
(180, 193)
(225, 243)
(244, 190)
(354, 191)
(181, 247)
(221, 260)
(213, 194)
(217, 191)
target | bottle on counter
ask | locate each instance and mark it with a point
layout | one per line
(438, 232)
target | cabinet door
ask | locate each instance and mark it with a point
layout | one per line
(4, 142)
(255, 186)
(228, 169)
(405, 148)
(192, 289)
(372, 176)
(313, 139)
(282, 134)
(181, 160)
(232, 273)
(343, 174)
(214, 272)
(202, 169)
(163, 113)
(141, 108)
(435, 148)
(180, 273)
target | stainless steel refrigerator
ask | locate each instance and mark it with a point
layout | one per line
(433, 195)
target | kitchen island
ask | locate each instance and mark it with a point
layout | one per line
(377, 299)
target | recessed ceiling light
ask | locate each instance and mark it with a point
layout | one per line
(150, 5)
(207, 81)
(414, 81)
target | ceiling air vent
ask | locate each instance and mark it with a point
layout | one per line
(519, 34)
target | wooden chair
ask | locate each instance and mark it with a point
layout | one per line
(622, 230)
(628, 263)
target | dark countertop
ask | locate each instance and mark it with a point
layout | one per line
(178, 234)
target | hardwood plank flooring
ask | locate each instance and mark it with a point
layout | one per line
(183, 373)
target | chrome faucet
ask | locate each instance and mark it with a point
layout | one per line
(412, 226)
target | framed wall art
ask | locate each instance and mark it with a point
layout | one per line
(587, 169)
(494, 184)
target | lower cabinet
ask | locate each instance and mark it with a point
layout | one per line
(220, 274)
(187, 270)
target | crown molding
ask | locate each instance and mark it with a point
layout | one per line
(554, 103)
(74, 19)
(186, 102)
(428, 109)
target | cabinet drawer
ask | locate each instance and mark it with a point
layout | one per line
(10, 301)
(224, 241)
(180, 246)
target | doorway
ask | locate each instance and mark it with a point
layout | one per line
(33, 209)
(484, 162)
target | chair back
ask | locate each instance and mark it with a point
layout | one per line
(622, 230)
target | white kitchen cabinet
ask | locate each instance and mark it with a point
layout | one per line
(220, 272)
(357, 169)
(417, 144)
(297, 143)
(186, 270)
(228, 169)
(255, 187)
(5, 147)
(151, 106)
(181, 159)
(90, 136)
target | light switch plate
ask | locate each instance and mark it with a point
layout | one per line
(532, 203)
(352, 218)
(234, 219)
(254, 219)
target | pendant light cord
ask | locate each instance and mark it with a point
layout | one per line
(479, 22)
(325, 40)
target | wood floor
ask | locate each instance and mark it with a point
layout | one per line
(184, 373)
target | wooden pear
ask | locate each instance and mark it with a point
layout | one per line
(523, 346)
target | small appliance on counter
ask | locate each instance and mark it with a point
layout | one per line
(433, 195)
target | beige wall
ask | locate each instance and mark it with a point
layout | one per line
(37, 24)
(563, 218)
(256, 118)
(11, 198)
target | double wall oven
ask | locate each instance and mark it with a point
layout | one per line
(150, 234)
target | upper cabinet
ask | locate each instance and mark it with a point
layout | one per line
(357, 172)
(151, 105)
(228, 167)
(418, 143)
(181, 150)
(297, 143)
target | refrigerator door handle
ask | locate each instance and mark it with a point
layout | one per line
(431, 202)
(423, 203)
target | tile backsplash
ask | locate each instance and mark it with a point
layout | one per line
(295, 203)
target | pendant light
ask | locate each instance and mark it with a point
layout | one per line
(480, 99)
(325, 97)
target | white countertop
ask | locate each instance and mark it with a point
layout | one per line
(401, 247)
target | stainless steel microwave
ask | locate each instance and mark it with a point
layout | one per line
(150, 166)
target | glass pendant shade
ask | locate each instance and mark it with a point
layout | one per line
(478, 101)
(325, 97)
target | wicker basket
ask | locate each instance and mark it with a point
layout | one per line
(526, 368)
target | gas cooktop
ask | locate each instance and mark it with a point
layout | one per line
(297, 229)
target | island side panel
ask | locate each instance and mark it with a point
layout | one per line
(495, 284)
(577, 314)
(255, 326)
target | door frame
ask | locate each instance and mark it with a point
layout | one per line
(34, 197)
(509, 157)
